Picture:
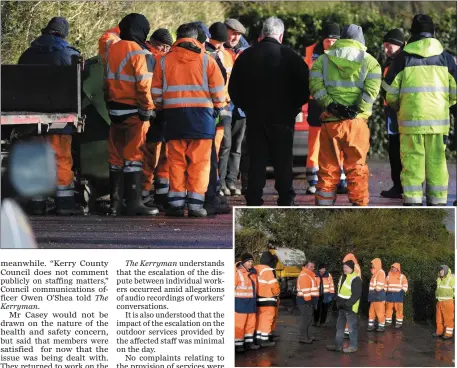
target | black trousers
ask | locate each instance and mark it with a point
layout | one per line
(213, 184)
(394, 158)
(265, 140)
(320, 314)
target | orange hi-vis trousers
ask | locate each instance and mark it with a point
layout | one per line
(445, 317)
(218, 139)
(125, 144)
(155, 168)
(312, 161)
(61, 144)
(244, 328)
(352, 137)
(377, 310)
(189, 166)
(398, 307)
(265, 320)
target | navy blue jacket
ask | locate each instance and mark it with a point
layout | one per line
(48, 49)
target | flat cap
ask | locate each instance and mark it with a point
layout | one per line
(235, 25)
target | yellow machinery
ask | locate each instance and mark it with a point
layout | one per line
(288, 267)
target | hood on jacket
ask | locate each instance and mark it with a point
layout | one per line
(269, 259)
(186, 49)
(445, 268)
(353, 32)
(376, 265)
(425, 47)
(350, 257)
(397, 266)
(135, 27)
(347, 55)
(48, 43)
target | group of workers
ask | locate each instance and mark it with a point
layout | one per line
(178, 114)
(257, 301)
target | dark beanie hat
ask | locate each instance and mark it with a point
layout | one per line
(350, 264)
(57, 25)
(218, 32)
(163, 36)
(321, 265)
(395, 36)
(422, 24)
(330, 30)
(246, 257)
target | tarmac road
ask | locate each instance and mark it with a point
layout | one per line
(135, 232)
(413, 345)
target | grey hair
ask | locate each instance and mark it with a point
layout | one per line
(273, 26)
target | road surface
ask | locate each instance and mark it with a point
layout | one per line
(413, 345)
(136, 232)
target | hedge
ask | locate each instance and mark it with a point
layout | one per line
(417, 239)
(303, 22)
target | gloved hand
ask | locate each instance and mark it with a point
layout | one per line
(352, 112)
(334, 109)
(216, 113)
(144, 117)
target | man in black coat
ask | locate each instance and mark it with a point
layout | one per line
(269, 82)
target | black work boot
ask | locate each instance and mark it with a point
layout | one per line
(394, 192)
(201, 212)
(116, 185)
(36, 207)
(251, 346)
(133, 191)
(266, 344)
(239, 349)
(273, 337)
(66, 206)
(161, 201)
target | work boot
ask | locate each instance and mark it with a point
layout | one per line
(239, 349)
(66, 206)
(394, 192)
(161, 201)
(226, 191)
(36, 208)
(398, 325)
(147, 199)
(388, 324)
(197, 213)
(371, 328)
(311, 189)
(234, 191)
(116, 184)
(349, 350)
(267, 344)
(305, 341)
(251, 346)
(380, 329)
(273, 337)
(334, 348)
(174, 211)
(436, 335)
(447, 337)
(133, 196)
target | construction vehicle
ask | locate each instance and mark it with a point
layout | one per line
(288, 268)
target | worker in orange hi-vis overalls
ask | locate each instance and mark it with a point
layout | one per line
(329, 34)
(377, 297)
(106, 40)
(155, 169)
(189, 86)
(128, 79)
(267, 299)
(358, 271)
(246, 285)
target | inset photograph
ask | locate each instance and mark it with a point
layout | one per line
(344, 287)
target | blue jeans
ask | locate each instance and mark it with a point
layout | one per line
(351, 319)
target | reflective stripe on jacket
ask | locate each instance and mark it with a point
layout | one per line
(245, 289)
(445, 287)
(376, 292)
(188, 85)
(328, 287)
(348, 75)
(109, 37)
(128, 78)
(268, 290)
(396, 286)
(307, 291)
(421, 86)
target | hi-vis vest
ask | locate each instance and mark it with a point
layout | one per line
(376, 291)
(395, 288)
(445, 287)
(345, 291)
(268, 289)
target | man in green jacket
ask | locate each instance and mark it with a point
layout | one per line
(421, 86)
(345, 82)
(445, 293)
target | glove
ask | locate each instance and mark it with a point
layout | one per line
(334, 109)
(216, 113)
(146, 117)
(352, 112)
